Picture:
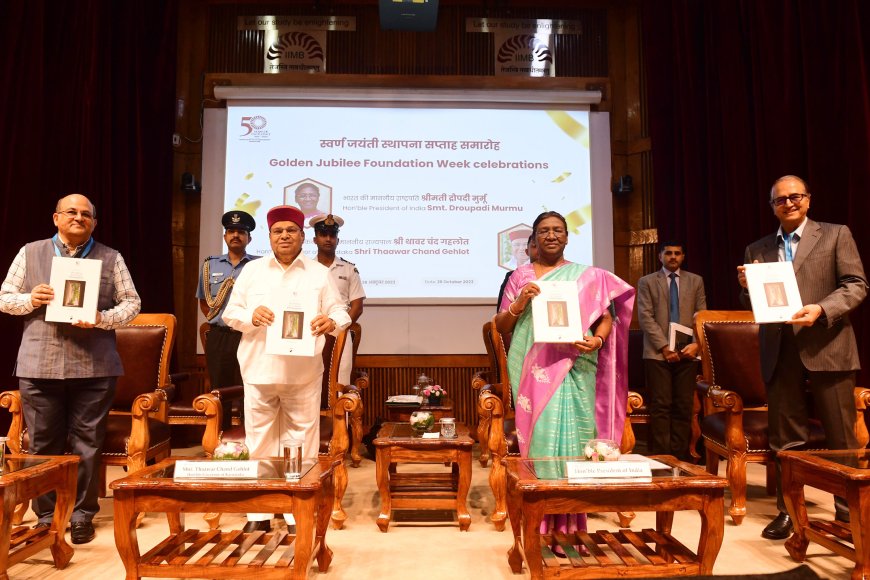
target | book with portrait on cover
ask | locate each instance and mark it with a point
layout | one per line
(76, 285)
(773, 291)
(290, 332)
(556, 312)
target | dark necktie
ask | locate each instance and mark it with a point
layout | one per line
(675, 299)
(786, 241)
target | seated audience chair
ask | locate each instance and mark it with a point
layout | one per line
(495, 406)
(136, 432)
(733, 399)
(337, 403)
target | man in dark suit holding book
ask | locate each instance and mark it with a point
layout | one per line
(818, 344)
(668, 295)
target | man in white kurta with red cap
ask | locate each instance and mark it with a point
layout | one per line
(282, 393)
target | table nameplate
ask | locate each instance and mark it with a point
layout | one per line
(216, 469)
(580, 470)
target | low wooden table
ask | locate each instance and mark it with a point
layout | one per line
(25, 477)
(397, 444)
(843, 473)
(276, 554)
(402, 413)
(539, 486)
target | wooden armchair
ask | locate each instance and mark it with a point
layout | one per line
(180, 409)
(499, 436)
(733, 398)
(337, 403)
(136, 432)
(361, 382)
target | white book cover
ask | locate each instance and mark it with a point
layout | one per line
(290, 333)
(76, 285)
(556, 312)
(773, 290)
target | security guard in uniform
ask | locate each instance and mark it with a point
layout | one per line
(345, 275)
(215, 285)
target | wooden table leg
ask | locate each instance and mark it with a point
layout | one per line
(61, 552)
(462, 489)
(664, 522)
(515, 554)
(176, 522)
(712, 530)
(533, 513)
(859, 517)
(793, 495)
(382, 473)
(324, 513)
(304, 506)
(9, 504)
(125, 533)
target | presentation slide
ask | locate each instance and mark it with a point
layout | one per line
(437, 202)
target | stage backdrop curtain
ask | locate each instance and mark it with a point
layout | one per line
(87, 106)
(741, 92)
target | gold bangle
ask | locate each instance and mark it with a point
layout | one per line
(511, 312)
(601, 338)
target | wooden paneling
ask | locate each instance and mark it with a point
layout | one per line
(449, 50)
(395, 375)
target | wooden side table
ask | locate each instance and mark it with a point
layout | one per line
(276, 555)
(842, 473)
(402, 413)
(25, 477)
(396, 444)
(537, 487)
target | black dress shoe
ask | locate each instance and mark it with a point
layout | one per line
(257, 526)
(40, 525)
(779, 529)
(82, 532)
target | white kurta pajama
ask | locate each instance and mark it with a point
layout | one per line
(282, 393)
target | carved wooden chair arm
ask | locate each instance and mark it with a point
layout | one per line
(481, 379)
(209, 404)
(862, 401)
(144, 406)
(12, 401)
(725, 399)
(362, 380)
(491, 403)
(345, 404)
(634, 402)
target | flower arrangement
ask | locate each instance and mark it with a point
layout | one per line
(231, 450)
(601, 450)
(421, 421)
(434, 391)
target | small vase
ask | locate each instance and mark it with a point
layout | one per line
(436, 401)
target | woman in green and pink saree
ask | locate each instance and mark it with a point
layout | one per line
(566, 393)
